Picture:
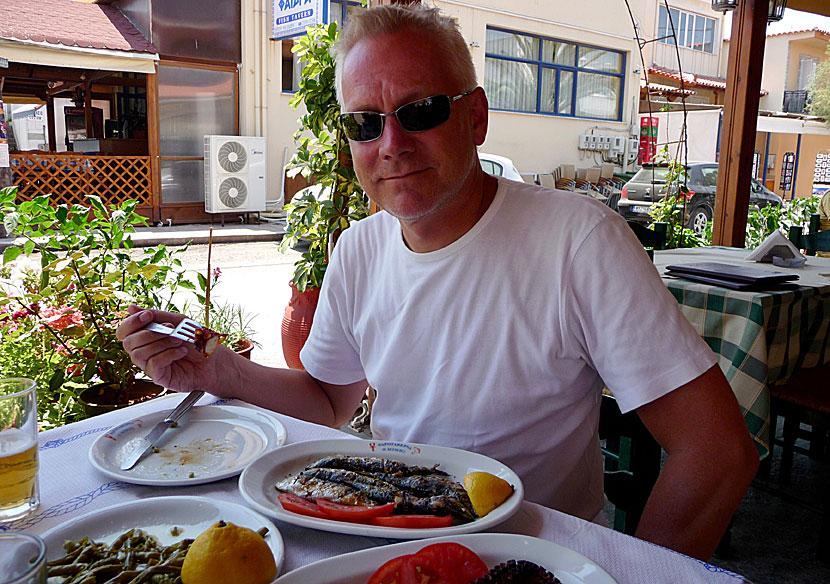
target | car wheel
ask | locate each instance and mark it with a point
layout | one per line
(698, 220)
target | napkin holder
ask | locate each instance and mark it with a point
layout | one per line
(779, 250)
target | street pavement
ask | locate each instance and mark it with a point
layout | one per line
(255, 275)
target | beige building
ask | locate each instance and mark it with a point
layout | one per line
(553, 72)
(792, 148)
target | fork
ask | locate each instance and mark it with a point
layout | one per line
(185, 330)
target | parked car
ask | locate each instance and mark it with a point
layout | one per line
(499, 166)
(648, 186)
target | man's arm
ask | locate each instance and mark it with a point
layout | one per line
(178, 365)
(711, 463)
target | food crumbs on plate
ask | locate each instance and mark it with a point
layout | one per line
(191, 476)
(156, 450)
(175, 531)
(174, 425)
(197, 452)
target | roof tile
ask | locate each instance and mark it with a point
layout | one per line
(690, 79)
(72, 24)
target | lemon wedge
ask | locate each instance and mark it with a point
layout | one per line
(486, 491)
(228, 554)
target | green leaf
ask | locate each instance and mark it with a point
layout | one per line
(56, 381)
(11, 253)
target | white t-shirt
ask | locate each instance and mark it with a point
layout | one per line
(500, 342)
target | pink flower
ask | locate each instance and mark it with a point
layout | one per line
(216, 273)
(61, 318)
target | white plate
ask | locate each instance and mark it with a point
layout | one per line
(157, 516)
(356, 568)
(209, 443)
(257, 482)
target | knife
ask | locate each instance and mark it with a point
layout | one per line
(144, 444)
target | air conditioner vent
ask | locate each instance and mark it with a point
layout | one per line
(233, 192)
(232, 157)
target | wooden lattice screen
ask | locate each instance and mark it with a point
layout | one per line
(69, 178)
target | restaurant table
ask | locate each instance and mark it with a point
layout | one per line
(759, 337)
(70, 487)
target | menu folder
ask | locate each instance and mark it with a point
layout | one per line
(734, 277)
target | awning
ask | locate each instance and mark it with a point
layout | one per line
(791, 125)
(77, 57)
(816, 6)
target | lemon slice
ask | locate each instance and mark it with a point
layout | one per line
(228, 554)
(486, 491)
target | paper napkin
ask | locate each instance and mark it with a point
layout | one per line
(777, 249)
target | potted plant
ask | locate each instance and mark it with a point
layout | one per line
(71, 292)
(671, 209)
(318, 215)
(225, 318)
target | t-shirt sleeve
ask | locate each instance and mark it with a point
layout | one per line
(331, 353)
(630, 325)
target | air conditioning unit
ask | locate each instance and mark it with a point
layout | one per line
(234, 174)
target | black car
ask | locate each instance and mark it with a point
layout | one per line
(648, 185)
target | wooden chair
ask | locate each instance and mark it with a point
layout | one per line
(613, 200)
(632, 463)
(814, 241)
(804, 400)
(565, 177)
(546, 180)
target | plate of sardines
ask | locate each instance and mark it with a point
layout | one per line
(395, 490)
(146, 540)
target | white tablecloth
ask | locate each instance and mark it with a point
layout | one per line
(70, 487)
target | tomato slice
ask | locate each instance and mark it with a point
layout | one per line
(349, 512)
(456, 562)
(410, 569)
(443, 563)
(412, 521)
(296, 504)
(398, 570)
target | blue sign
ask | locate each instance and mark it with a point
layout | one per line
(291, 17)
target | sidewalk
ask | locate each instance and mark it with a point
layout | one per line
(269, 229)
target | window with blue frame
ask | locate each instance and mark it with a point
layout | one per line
(693, 31)
(530, 73)
(339, 11)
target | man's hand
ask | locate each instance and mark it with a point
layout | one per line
(168, 361)
(711, 463)
(178, 365)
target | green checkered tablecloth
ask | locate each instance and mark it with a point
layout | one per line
(758, 337)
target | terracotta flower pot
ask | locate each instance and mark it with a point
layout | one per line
(296, 323)
(102, 397)
(246, 349)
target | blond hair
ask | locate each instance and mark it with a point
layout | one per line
(389, 19)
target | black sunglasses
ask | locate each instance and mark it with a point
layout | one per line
(417, 116)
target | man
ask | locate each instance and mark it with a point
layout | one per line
(487, 313)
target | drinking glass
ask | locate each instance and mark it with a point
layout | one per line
(18, 448)
(22, 558)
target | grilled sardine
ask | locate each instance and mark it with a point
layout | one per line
(368, 464)
(381, 491)
(312, 488)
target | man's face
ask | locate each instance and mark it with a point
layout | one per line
(412, 176)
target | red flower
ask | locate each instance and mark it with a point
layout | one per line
(61, 318)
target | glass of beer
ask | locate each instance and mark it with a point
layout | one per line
(22, 558)
(18, 448)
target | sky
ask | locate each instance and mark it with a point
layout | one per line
(793, 20)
